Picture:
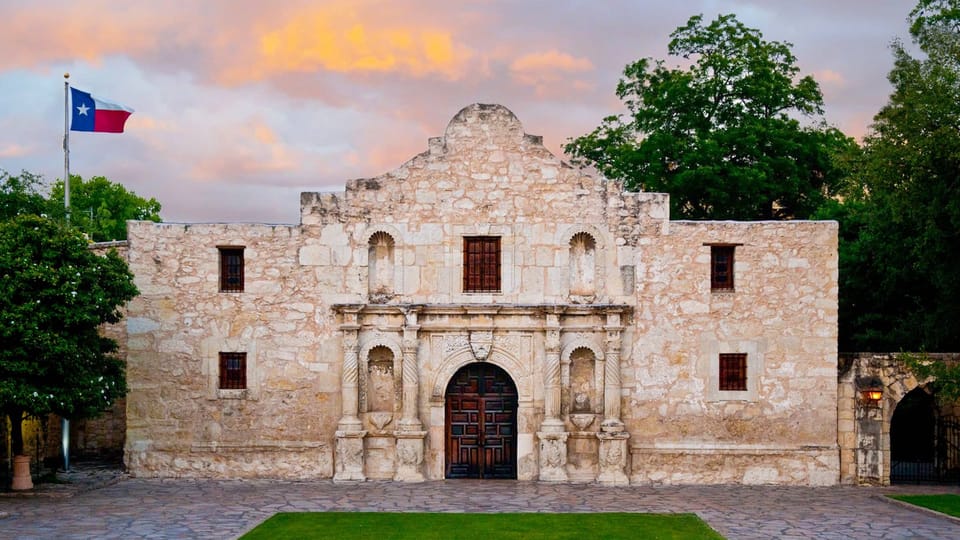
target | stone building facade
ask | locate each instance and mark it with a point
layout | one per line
(485, 310)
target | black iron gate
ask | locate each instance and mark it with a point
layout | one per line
(919, 456)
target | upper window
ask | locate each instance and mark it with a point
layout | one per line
(721, 268)
(481, 264)
(233, 370)
(733, 372)
(231, 269)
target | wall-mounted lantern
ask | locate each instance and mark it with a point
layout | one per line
(871, 390)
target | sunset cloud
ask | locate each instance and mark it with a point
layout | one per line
(38, 37)
(342, 40)
(13, 150)
(550, 72)
(240, 103)
(828, 76)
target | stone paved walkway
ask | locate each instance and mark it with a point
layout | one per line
(150, 508)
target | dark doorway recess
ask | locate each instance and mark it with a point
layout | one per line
(481, 423)
(924, 444)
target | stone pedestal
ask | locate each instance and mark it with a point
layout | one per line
(21, 474)
(553, 456)
(409, 456)
(613, 458)
(348, 466)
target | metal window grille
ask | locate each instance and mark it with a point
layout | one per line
(721, 268)
(231, 269)
(233, 370)
(733, 372)
(481, 264)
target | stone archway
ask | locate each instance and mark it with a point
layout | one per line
(481, 423)
(913, 438)
(865, 425)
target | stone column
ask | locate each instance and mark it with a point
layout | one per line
(611, 379)
(551, 374)
(553, 438)
(410, 435)
(613, 458)
(349, 421)
(410, 420)
(349, 443)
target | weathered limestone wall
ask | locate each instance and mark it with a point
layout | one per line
(605, 321)
(178, 421)
(783, 314)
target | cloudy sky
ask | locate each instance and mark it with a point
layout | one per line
(242, 104)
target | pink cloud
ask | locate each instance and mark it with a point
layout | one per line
(13, 150)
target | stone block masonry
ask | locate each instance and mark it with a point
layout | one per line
(486, 250)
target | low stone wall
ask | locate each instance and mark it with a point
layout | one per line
(734, 464)
(295, 462)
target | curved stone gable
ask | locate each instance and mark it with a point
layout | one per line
(485, 168)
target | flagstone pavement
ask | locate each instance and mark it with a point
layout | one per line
(151, 508)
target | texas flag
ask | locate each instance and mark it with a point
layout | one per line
(92, 114)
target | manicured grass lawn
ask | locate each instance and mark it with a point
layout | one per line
(390, 525)
(948, 504)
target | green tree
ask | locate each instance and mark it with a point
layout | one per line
(101, 208)
(721, 137)
(900, 284)
(21, 195)
(55, 293)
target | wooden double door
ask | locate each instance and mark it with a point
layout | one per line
(481, 423)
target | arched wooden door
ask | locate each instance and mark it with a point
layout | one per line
(481, 423)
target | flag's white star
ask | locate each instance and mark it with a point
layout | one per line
(82, 110)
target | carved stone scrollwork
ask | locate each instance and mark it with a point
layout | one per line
(613, 458)
(409, 456)
(553, 456)
(349, 459)
(480, 343)
(453, 343)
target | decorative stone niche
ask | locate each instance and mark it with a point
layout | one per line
(583, 268)
(381, 386)
(380, 267)
(583, 392)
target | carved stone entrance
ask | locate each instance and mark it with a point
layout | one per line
(481, 423)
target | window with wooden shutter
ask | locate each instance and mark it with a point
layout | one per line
(231, 269)
(233, 370)
(733, 372)
(481, 264)
(721, 268)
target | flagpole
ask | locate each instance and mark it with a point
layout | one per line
(65, 422)
(66, 145)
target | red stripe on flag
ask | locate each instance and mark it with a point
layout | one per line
(110, 121)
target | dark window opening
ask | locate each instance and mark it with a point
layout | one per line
(721, 268)
(233, 370)
(481, 264)
(733, 372)
(231, 269)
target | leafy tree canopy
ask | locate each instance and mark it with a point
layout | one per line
(54, 295)
(721, 136)
(101, 208)
(21, 195)
(900, 284)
